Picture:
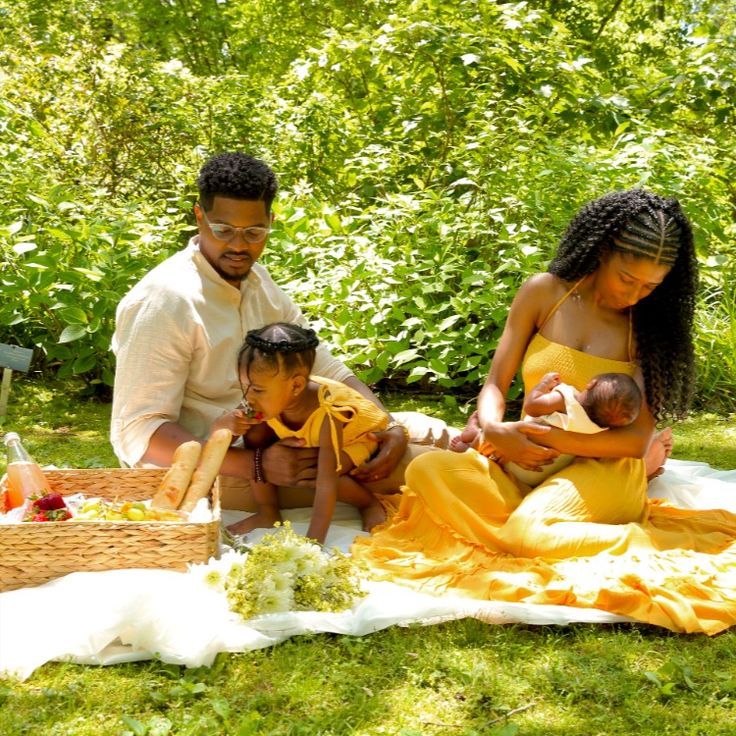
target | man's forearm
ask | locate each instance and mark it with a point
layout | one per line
(238, 462)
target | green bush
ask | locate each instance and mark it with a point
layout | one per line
(430, 154)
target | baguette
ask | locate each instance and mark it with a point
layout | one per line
(208, 468)
(176, 481)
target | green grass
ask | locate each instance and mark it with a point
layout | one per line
(461, 677)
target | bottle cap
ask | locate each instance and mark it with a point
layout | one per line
(10, 436)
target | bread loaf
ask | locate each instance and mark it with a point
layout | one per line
(208, 468)
(176, 481)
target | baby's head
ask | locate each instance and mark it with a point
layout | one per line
(611, 400)
(274, 364)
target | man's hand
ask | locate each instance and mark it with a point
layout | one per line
(288, 463)
(391, 448)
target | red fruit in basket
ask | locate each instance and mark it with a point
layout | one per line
(40, 516)
(50, 501)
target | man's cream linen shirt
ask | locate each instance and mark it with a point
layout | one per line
(178, 332)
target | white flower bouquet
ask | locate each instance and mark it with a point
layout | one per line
(285, 572)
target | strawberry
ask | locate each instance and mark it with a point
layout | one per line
(50, 501)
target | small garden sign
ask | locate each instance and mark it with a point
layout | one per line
(12, 358)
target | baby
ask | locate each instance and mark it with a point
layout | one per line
(609, 400)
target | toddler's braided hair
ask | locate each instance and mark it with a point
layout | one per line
(282, 346)
(646, 226)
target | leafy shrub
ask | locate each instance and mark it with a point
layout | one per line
(431, 155)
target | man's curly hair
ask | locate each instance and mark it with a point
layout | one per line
(236, 176)
(662, 321)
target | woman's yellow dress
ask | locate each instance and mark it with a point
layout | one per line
(588, 536)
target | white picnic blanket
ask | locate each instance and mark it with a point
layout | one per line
(130, 615)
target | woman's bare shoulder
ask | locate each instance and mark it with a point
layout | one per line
(542, 288)
(538, 296)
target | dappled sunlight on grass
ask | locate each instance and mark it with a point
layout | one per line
(463, 677)
(58, 425)
(708, 438)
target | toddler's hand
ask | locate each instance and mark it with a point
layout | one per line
(237, 421)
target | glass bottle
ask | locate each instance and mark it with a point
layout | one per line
(25, 477)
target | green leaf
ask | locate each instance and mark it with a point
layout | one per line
(72, 333)
(221, 707)
(84, 364)
(448, 322)
(73, 316)
(137, 727)
(333, 221)
(405, 356)
(92, 275)
(417, 373)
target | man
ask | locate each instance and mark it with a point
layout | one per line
(179, 329)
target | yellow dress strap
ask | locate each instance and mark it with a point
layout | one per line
(559, 301)
(335, 410)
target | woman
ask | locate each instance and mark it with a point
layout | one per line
(618, 297)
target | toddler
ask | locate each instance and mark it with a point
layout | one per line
(282, 399)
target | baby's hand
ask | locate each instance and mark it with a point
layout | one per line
(549, 381)
(237, 421)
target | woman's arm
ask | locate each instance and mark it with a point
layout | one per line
(510, 439)
(327, 479)
(628, 441)
(521, 324)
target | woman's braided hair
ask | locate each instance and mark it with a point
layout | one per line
(647, 226)
(282, 346)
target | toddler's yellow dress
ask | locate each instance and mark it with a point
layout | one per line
(339, 403)
(588, 536)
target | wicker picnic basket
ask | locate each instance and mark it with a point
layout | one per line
(36, 552)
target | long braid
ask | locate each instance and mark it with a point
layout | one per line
(645, 225)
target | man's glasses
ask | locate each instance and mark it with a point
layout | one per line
(227, 233)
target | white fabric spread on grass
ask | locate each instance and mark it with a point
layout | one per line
(129, 615)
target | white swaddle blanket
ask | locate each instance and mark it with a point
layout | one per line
(129, 615)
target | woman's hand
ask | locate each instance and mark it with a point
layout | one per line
(392, 445)
(288, 463)
(515, 441)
